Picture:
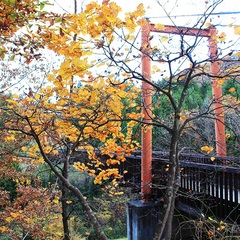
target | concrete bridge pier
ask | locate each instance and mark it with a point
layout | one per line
(142, 219)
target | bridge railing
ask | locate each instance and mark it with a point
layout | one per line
(213, 189)
(210, 185)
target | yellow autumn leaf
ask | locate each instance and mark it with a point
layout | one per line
(3, 229)
(41, 160)
(207, 149)
(28, 220)
(232, 89)
(222, 36)
(118, 193)
(220, 81)
(142, 22)
(59, 233)
(8, 219)
(140, 9)
(237, 54)
(204, 148)
(182, 117)
(237, 29)
(164, 38)
(9, 138)
(56, 200)
(122, 94)
(11, 101)
(212, 159)
(159, 26)
(221, 227)
(37, 96)
(28, 182)
(208, 24)
(228, 135)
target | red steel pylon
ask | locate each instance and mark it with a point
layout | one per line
(210, 33)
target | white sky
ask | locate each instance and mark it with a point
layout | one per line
(174, 7)
(156, 14)
(154, 11)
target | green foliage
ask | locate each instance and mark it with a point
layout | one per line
(111, 213)
(199, 132)
(233, 144)
(110, 210)
(46, 175)
(232, 88)
(10, 185)
(196, 97)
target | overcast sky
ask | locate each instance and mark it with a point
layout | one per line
(183, 10)
(173, 7)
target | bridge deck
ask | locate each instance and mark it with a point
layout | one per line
(213, 187)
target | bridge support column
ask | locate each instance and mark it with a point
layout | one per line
(142, 219)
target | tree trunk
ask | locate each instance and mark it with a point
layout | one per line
(65, 214)
(65, 173)
(88, 210)
(96, 225)
(164, 229)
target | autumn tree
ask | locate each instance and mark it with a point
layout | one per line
(18, 20)
(23, 201)
(60, 127)
(120, 52)
(14, 16)
(102, 51)
(27, 209)
(64, 116)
